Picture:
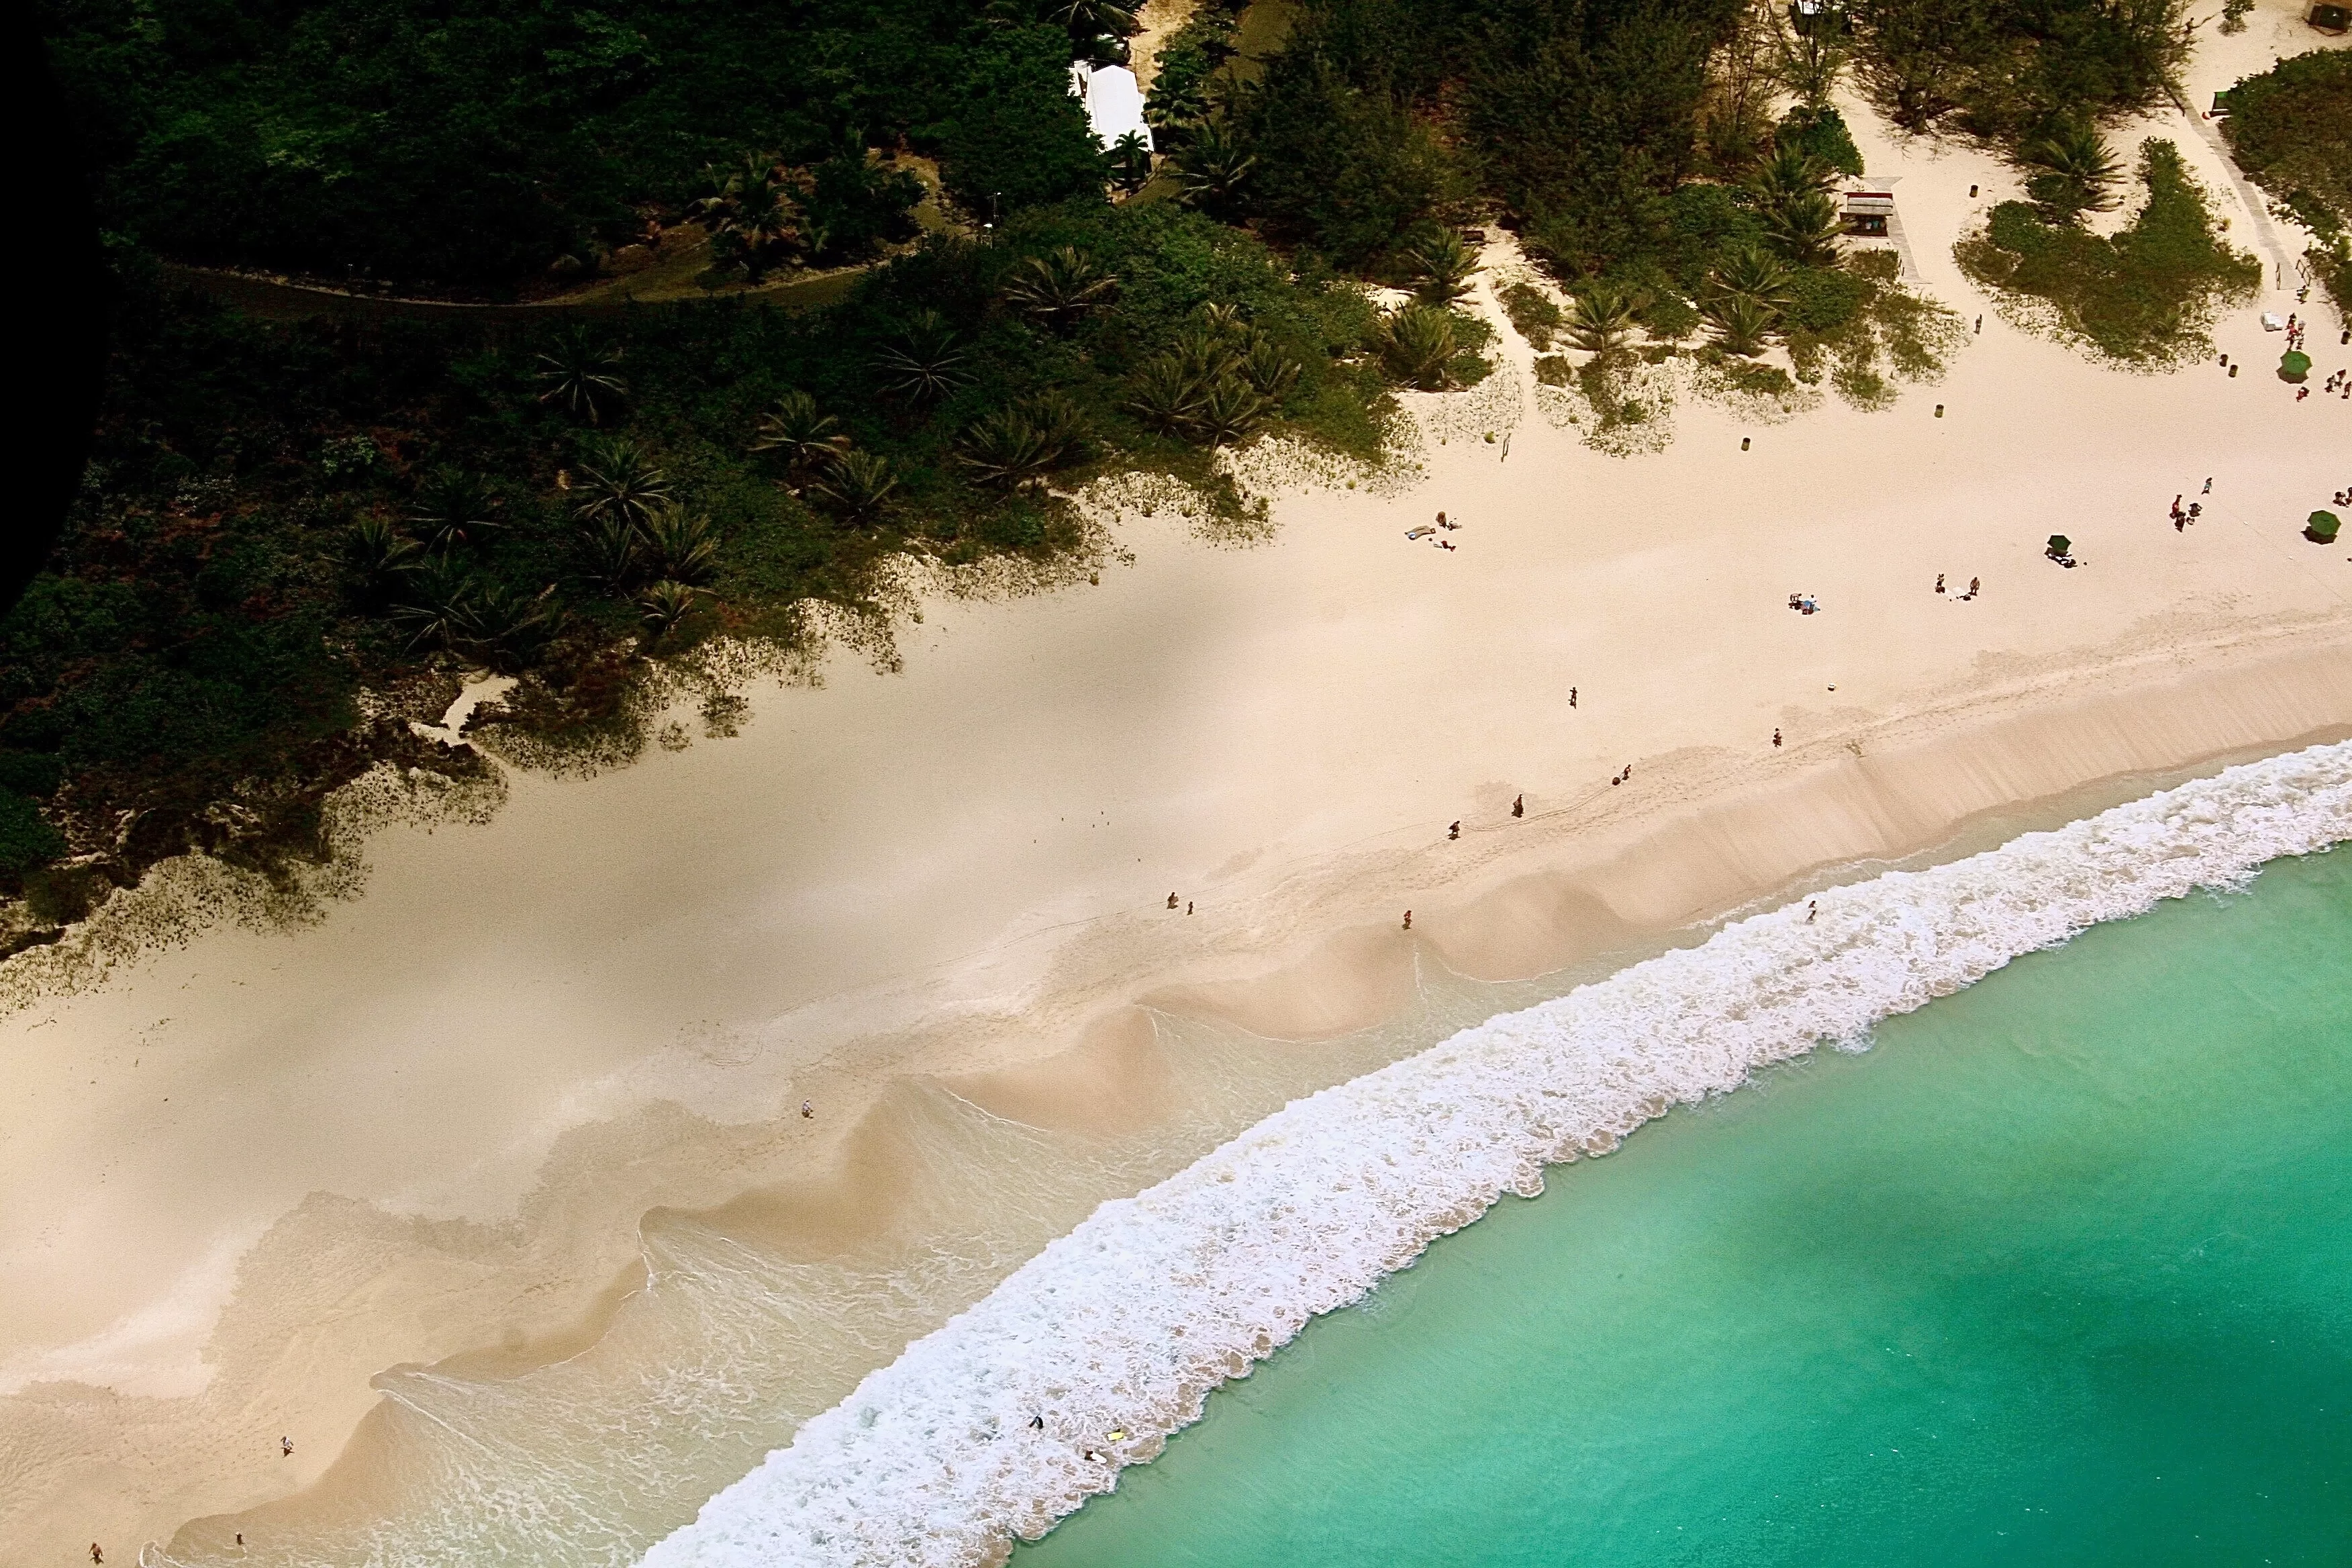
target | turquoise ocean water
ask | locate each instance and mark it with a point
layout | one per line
(2059, 1271)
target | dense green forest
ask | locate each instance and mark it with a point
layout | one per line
(293, 535)
(2291, 130)
(479, 143)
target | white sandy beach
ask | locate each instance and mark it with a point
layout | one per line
(244, 1175)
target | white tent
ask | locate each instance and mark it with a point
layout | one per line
(1114, 102)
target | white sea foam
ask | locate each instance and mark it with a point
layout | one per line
(1126, 1324)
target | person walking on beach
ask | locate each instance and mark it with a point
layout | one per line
(95, 1554)
(1812, 907)
(1776, 737)
(285, 1448)
(1939, 582)
(1171, 900)
(1188, 906)
(1455, 831)
(1408, 920)
(1518, 806)
(2209, 488)
(1974, 584)
(1571, 697)
(808, 1110)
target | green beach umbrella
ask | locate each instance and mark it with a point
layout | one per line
(2295, 366)
(2059, 546)
(2322, 527)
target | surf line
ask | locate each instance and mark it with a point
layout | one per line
(1087, 1357)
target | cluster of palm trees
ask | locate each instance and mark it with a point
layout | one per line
(821, 461)
(1014, 447)
(1418, 343)
(427, 579)
(755, 218)
(1791, 193)
(636, 539)
(1215, 384)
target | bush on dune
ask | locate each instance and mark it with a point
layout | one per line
(2142, 296)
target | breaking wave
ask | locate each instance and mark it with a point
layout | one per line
(1087, 1357)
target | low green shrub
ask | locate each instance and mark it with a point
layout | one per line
(2143, 296)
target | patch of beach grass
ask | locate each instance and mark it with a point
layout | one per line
(2144, 297)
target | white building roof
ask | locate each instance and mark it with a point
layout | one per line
(1114, 102)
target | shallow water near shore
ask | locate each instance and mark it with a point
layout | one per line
(2059, 1270)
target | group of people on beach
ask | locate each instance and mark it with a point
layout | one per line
(1804, 603)
(1434, 533)
(2182, 518)
(1974, 584)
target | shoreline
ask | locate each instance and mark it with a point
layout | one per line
(834, 1207)
(435, 1127)
(1111, 1338)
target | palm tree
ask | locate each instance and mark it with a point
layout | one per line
(501, 625)
(1602, 317)
(452, 508)
(664, 606)
(924, 363)
(1167, 393)
(1740, 323)
(1213, 168)
(1229, 410)
(1005, 449)
(1270, 373)
(1417, 343)
(1790, 172)
(1446, 265)
(1130, 162)
(619, 479)
(678, 544)
(1059, 287)
(1805, 229)
(1095, 18)
(749, 213)
(795, 427)
(608, 545)
(859, 484)
(1061, 423)
(1753, 275)
(581, 376)
(437, 608)
(2078, 173)
(1178, 102)
(379, 557)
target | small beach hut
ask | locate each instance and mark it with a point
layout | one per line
(1114, 103)
(1867, 205)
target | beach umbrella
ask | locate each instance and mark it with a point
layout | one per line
(2060, 545)
(2295, 366)
(2321, 528)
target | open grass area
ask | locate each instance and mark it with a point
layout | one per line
(2142, 297)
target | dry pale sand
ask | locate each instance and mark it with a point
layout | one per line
(244, 1174)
